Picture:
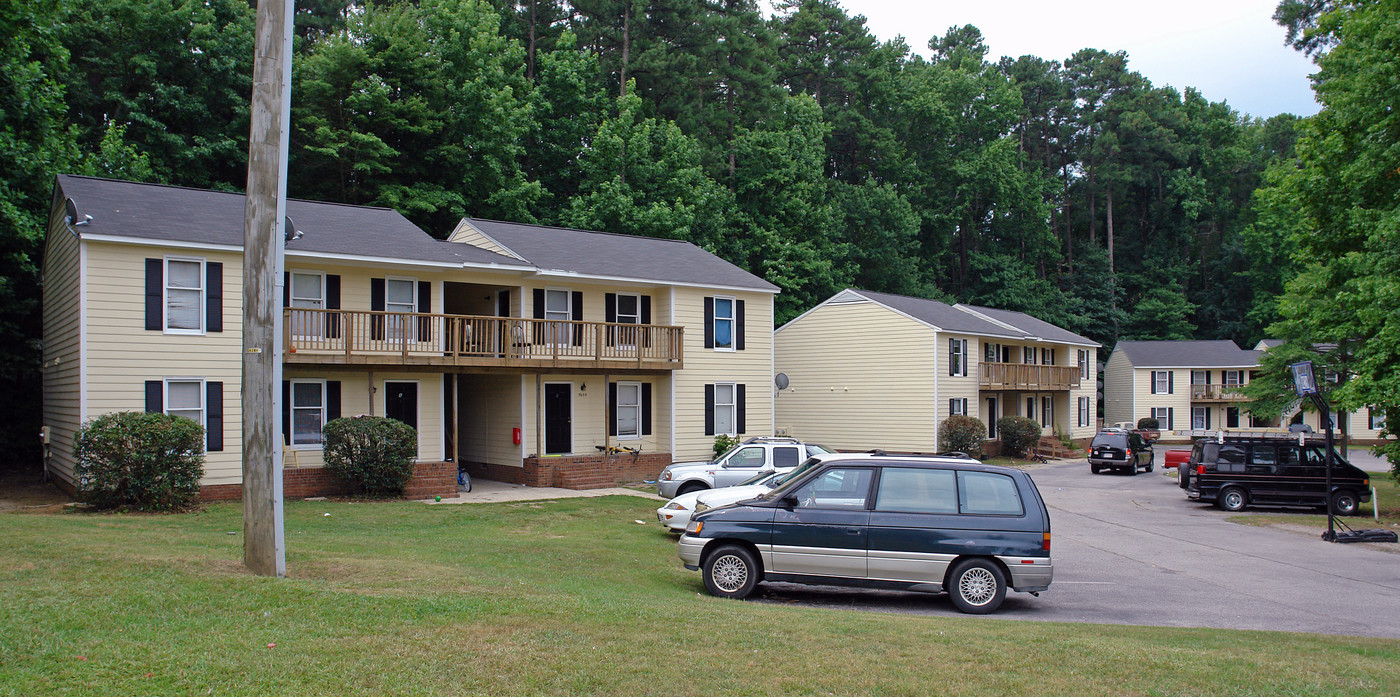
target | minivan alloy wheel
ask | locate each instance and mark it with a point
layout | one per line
(730, 573)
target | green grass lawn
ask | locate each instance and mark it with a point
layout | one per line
(568, 597)
(1387, 499)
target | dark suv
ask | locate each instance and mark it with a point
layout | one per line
(1118, 449)
(1235, 471)
(882, 521)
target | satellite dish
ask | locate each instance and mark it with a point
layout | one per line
(289, 230)
(781, 380)
(70, 209)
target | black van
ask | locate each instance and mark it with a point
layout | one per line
(922, 523)
(1235, 471)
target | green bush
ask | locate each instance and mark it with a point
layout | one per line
(962, 434)
(1018, 434)
(1148, 422)
(373, 454)
(724, 444)
(141, 461)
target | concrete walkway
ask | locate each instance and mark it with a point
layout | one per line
(487, 491)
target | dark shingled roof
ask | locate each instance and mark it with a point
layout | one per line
(941, 315)
(612, 255)
(1221, 353)
(178, 214)
(1032, 326)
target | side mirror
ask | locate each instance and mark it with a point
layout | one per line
(789, 502)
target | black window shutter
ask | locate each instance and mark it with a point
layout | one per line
(214, 416)
(952, 406)
(214, 300)
(577, 316)
(155, 396)
(1207, 416)
(1171, 414)
(1171, 382)
(287, 289)
(709, 326)
(1222, 377)
(332, 303)
(612, 408)
(739, 325)
(646, 408)
(287, 412)
(539, 314)
(1154, 382)
(332, 400)
(646, 309)
(376, 304)
(709, 410)
(741, 403)
(610, 315)
(425, 305)
(155, 291)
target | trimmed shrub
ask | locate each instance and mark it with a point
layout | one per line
(724, 444)
(373, 454)
(1018, 434)
(1148, 423)
(138, 460)
(963, 434)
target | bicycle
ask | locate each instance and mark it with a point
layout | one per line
(620, 449)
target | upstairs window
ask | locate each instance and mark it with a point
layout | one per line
(724, 324)
(957, 357)
(1083, 365)
(184, 295)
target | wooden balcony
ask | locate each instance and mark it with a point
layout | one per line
(1217, 393)
(1027, 377)
(491, 344)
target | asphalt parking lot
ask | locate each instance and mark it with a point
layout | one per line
(1134, 550)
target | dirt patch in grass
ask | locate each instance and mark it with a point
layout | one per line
(24, 491)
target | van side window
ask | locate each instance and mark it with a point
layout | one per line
(1230, 458)
(911, 490)
(835, 488)
(986, 493)
(1263, 460)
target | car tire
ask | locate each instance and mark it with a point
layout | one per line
(977, 586)
(731, 572)
(1150, 458)
(1232, 499)
(1345, 502)
(690, 487)
(1132, 470)
(1094, 468)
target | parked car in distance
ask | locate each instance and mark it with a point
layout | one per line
(1235, 471)
(1173, 459)
(922, 523)
(1117, 449)
(675, 515)
(1151, 435)
(760, 455)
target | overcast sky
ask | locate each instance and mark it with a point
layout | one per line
(1229, 50)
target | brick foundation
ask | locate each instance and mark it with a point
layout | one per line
(429, 479)
(576, 471)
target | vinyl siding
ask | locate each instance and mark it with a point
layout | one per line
(490, 407)
(1179, 400)
(590, 423)
(355, 401)
(122, 354)
(752, 367)
(62, 360)
(1118, 389)
(466, 234)
(863, 376)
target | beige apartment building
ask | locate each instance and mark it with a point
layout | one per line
(520, 351)
(874, 370)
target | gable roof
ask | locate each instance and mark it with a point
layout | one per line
(1221, 353)
(1032, 327)
(174, 214)
(615, 256)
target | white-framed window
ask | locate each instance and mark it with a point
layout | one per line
(558, 307)
(1200, 377)
(1198, 418)
(1083, 411)
(1083, 367)
(400, 296)
(957, 406)
(1028, 354)
(629, 409)
(726, 401)
(308, 411)
(1161, 382)
(185, 397)
(307, 290)
(184, 295)
(629, 311)
(1047, 411)
(1163, 415)
(957, 357)
(1234, 378)
(991, 353)
(1375, 418)
(724, 324)
(1047, 355)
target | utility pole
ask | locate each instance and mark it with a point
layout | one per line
(264, 537)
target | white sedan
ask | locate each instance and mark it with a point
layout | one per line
(675, 515)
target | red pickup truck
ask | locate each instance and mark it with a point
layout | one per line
(1150, 435)
(1176, 458)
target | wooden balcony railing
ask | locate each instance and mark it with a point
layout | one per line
(315, 336)
(1217, 393)
(1027, 376)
